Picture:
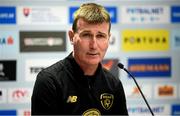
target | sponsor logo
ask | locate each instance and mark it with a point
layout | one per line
(145, 14)
(92, 112)
(175, 110)
(8, 42)
(34, 66)
(141, 109)
(3, 94)
(8, 112)
(111, 65)
(166, 91)
(175, 14)
(35, 69)
(72, 10)
(26, 11)
(42, 15)
(19, 95)
(42, 41)
(179, 91)
(150, 67)
(111, 10)
(107, 100)
(113, 42)
(133, 92)
(72, 99)
(145, 40)
(24, 112)
(7, 70)
(176, 39)
(113, 13)
(7, 15)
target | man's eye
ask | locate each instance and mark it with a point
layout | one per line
(86, 35)
(101, 36)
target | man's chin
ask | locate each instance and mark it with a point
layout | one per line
(93, 62)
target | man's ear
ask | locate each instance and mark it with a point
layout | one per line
(109, 35)
(71, 36)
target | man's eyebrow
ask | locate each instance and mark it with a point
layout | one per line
(85, 31)
(99, 32)
(102, 33)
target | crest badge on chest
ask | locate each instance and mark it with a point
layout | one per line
(107, 100)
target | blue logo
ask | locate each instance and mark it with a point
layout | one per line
(175, 39)
(8, 112)
(175, 14)
(150, 67)
(175, 110)
(71, 13)
(112, 11)
(7, 15)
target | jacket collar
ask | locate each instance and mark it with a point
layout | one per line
(76, 69)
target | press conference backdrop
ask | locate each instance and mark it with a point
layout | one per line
(145, 38)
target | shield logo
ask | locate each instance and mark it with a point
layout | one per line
(26, 11)
(92, 112)
(106, 100)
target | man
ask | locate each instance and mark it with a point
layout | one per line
(79, 84)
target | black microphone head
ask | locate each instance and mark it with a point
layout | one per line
(120, 65)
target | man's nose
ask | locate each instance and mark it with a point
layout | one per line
(93, 42)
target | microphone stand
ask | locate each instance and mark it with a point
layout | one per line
(122, 67)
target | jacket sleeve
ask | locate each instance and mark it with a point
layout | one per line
(120, 100)
(44, 96)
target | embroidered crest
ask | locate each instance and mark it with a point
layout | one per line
(92, 112)
(106, 100)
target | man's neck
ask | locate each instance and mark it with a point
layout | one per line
(87, 69)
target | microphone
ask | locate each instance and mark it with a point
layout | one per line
(121, 66)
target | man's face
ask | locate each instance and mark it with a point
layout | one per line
(90, 42)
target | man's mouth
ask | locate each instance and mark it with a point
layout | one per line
(92, 54)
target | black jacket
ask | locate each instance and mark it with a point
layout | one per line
(63, 89)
